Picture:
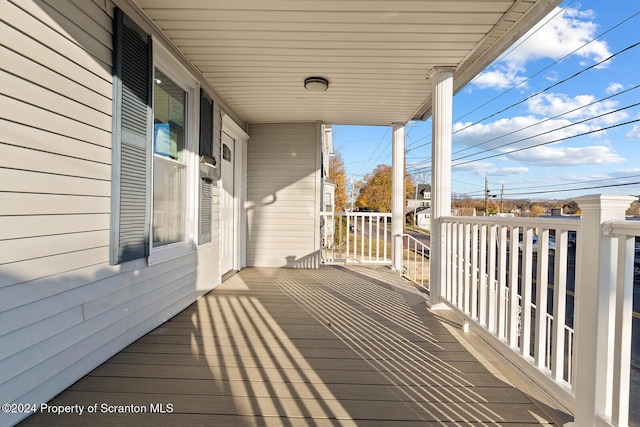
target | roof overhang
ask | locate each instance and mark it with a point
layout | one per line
(375, 54)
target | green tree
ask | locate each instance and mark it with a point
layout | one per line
(375, 193)
(338, 176)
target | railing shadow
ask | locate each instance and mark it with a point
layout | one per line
(335, 346)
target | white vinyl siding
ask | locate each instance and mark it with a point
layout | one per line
(283, 195)
(55, 114)
(63, 308)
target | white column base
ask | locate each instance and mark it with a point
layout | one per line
(438, 306)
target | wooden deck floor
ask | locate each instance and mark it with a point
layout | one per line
(336, 346)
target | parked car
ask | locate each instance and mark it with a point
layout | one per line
(636, 262)
(552, 244)
(571, 239)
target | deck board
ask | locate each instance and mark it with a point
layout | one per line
(329, 347)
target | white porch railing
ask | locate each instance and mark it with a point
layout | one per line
(415, 261)
(356, 237)
(625, 233)
(520, 293)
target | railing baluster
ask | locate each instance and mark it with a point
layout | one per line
(559, 308)
(385, 239)
(502, 281)
(466, 265)
(525, 281)
(548, 331)
(348, 248)
(514, 300)
(449, 239)
(623, 328)
(492, 265)
(362, 235)
(461, 266)
(542, 286)
(457, 263)
(417, 256)
(482, 275)
(370, 235)
(474, 271)
(377, 238)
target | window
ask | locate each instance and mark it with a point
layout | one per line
(154, 188)
(206, 157)
(131, 159)
(169, 161)
(226, 152)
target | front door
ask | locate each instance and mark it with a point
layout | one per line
(227, 206)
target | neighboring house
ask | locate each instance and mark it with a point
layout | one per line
(420, 198)
(423, 218)
(327, 221)
(328, 188)
(150, 149)
(329, 202)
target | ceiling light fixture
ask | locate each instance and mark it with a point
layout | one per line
(316, 84)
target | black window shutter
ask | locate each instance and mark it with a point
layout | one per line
(205, 211)
(206, 125)
(206, 149)
(132, 112)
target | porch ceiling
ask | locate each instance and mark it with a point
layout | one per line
(376, 54)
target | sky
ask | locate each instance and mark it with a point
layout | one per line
(553, 118)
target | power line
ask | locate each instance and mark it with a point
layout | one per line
(552, 86)
(521, 41)
(551, 118)
(549, 131)
(550, 142)
(573, 183)
(576, 189)
(376, 150)
(534, 75)
(428, 159)
(547, 67)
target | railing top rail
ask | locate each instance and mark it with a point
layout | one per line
(622, 228)
(370, 214)
(569, 223)
(414, 239)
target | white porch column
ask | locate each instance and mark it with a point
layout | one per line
(441, 118)
(594, 321)
(397, 196)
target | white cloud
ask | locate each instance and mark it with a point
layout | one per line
(506, 136)
(634, 133)
(552, 76)
(567, 156)
(614, 88)
(621, 173)
(488, 169)
(552, 104)
(503, 78)
(517, 132)
(561, 33)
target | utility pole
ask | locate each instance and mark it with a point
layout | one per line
(353, 191)
(486, 196)
(502, 199)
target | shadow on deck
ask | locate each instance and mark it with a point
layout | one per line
(337, 346)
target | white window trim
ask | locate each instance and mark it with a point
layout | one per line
(171, 67)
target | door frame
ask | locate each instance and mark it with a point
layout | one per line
(239, 160)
